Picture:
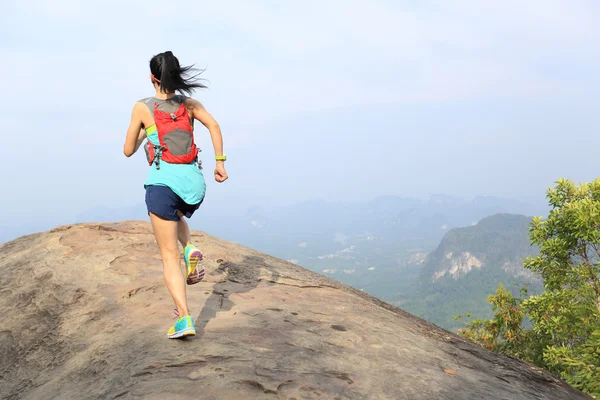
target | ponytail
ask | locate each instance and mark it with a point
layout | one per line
(171, 76)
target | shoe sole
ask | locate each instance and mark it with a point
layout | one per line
(197, 274)
(183, 333)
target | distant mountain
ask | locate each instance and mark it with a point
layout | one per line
(501, 240)
(327, 227)
(469, 264)
(385, 232)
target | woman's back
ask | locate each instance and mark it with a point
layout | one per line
(175, 184)
(186, 180)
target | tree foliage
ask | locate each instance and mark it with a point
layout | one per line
(564, 336)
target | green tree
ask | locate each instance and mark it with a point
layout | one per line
(565, 317)
(504, 333)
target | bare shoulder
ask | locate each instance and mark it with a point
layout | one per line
(193, 104)
(142, 113)
(139, 107)
(198, 112)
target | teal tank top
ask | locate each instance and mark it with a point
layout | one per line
(185, 180)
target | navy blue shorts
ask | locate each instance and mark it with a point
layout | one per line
(165, 203)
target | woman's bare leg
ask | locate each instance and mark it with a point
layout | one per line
(195, 273)
(165, 232)
(183, 231)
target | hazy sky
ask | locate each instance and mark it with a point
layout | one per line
(316, 99)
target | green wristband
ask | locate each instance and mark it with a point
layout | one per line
(221, 158)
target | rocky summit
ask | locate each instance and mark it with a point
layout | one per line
(85, 314)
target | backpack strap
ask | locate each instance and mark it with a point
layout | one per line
(149, 102)
(153, 103)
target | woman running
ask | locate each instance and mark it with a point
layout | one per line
(175, 184)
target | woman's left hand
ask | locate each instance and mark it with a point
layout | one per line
(220, 174)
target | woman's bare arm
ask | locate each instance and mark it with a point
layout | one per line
(134, 137)
(199, 112)
(140, 139)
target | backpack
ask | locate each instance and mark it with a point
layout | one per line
(175, 132)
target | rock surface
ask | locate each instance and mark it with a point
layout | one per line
(85, 314)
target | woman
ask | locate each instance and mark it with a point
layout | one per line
(175, 184)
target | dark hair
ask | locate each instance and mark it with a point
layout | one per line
(171, 76)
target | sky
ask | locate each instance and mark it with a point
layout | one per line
(336, 100)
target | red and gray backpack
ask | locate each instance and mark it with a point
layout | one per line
(174, 130)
